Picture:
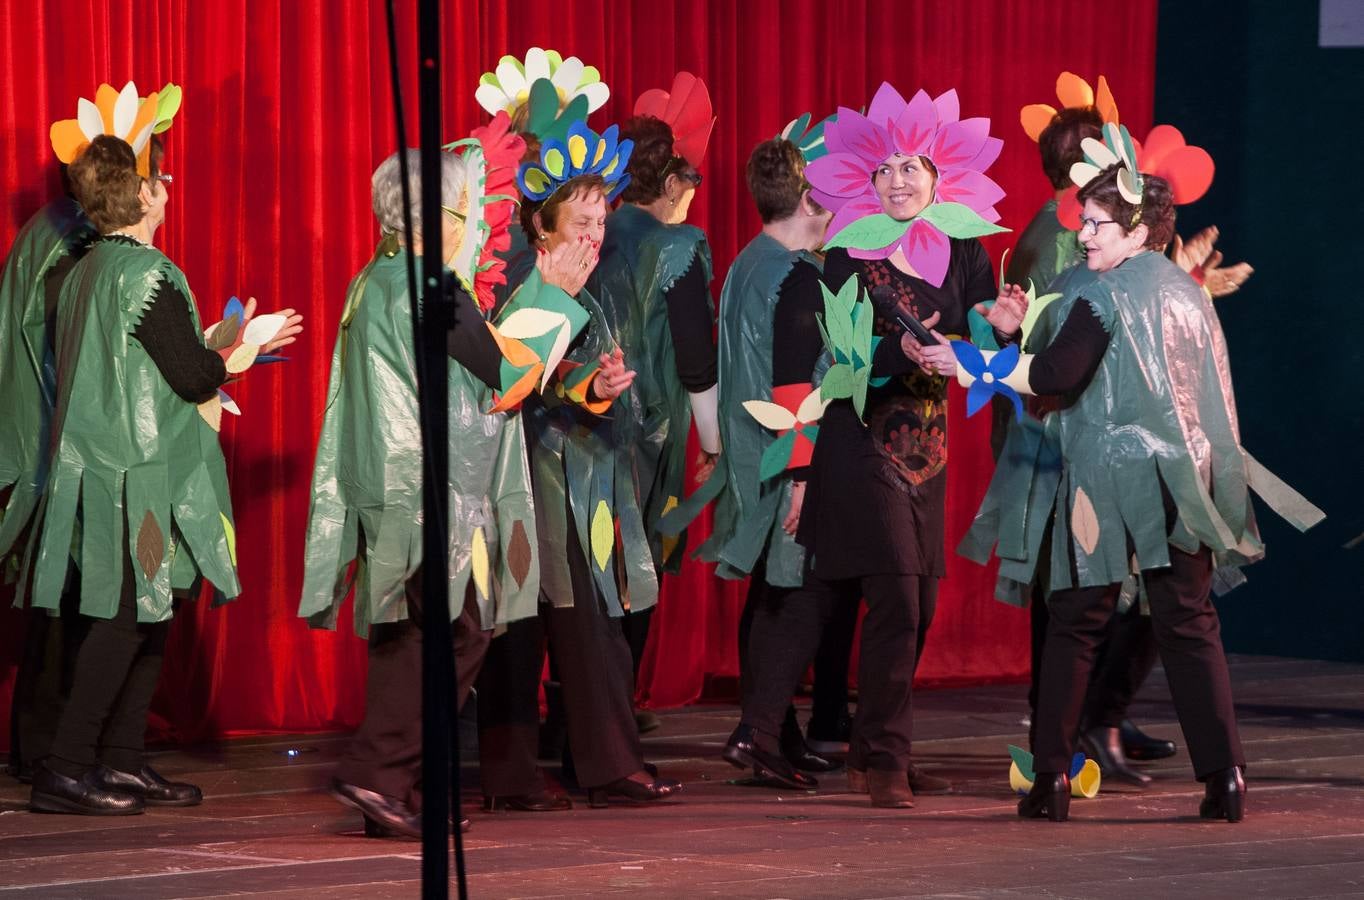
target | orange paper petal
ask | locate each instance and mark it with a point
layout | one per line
(1035, 118)
(519, 391)
(1072, 90)
(1104, 102)
(68, 140)
(105, 98)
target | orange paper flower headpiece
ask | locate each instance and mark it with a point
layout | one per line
(1187, 168)
(122, 114)
(1073, 92)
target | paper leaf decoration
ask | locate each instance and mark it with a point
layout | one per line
(211, 411)
(262, 329)
(242, 358)
(869, 233)
(229, 405)
(959, 220)
(670, 541)
(776, 456)
(150, 546)
(770, 415)
(519, 556)
(603, 535)
(507, 87)
(1084, 522)
(230, 534)
(478, 563)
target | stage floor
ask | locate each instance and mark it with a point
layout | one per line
(267, 827)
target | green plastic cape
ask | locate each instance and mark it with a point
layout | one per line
(27, 378)
(641, 259)
(749, 512)
(584, 461)
(144, 468)
(367, 506)
(1160, 408)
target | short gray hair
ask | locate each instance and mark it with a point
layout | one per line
(387, 188)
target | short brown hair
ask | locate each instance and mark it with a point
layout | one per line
(1157, 210)
(776, 179)
(1059, 142)
(577, 186)
(105, 182)
(649, 160)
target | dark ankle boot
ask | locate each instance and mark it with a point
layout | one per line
(1049, 797)
(794, 748)
(1137, 744)
(1104, 746)
(1224, 796)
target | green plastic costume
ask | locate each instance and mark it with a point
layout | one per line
(1160, 409)
(27, 379)
(582, 460)
(1044, 250)
(367, 504)
(641, 259)
(749, 512)
(144, 468)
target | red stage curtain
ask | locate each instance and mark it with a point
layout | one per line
(287, 111)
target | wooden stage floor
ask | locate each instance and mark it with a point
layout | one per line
(267, 827)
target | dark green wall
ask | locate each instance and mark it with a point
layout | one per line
(1284, 121)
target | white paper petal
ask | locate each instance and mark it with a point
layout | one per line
(530, 322)
(125, 110)
(89, 119)
(812, 408)
(568, 75)
(1127, 188)
(556, 353)
(771, 415)
(492, 99)
(1098, 153)
(262, 329)
(1082, 173)
(597, 94)
(229, 405)
(510, 77)
(537, 65)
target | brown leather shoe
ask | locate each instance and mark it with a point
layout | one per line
(857, 780)
(889, 789)
(920, 782)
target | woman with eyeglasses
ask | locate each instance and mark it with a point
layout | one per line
(654, 284)
(137, 475)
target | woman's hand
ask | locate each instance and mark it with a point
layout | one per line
(792, 520)
(568, 265)
(1011, 306)
(935, 359)
(287, 334)
(612, 378)
(705, 466)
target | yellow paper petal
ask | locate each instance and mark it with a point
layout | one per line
(1020, 784)
(771, 415)
(1072, 90)
(1084, 522)
(603, 537)
(577, 150)
(242, 358)
(669, 543)
(1086, 784)
(231, 534)
(479, 563)
(812, 408)
(211, 411)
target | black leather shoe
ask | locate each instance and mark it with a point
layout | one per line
(375, 830)
(646, 720)
(798, 754)
(1140, 746)
(743, 752)
(1224, 796)
(150, 786)
(56, 793)
(540, 801)
(634, 788)
(830, 737)
(1104, 746)
(1049, 798)
(394, 815)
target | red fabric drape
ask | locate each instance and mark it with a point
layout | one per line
(287, 111)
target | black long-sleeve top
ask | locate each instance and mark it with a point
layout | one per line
(1065, 367)
(692, 329)
(876, 493)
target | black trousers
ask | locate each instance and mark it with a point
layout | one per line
(1188, 634)
(42, 684)
(385, 754)
(113, 680)
(785, 636)
(509, 711)
(1126, 654)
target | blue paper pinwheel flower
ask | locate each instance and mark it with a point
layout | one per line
(581, 152)
(989, 377)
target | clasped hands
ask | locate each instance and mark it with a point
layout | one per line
(1005, 316)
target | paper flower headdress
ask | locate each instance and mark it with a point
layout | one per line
(582, 152)
(509, 85)
(1074, 93)
(1188, 169)
(687, 110)
(960, 150)
(809, 141)
(122, 114)
(487, 205)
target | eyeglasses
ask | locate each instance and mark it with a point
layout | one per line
(164, 178)
(454, 212)
(678, 166)
(1091, 226)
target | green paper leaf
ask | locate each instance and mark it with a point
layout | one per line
(837, 383)
(958, 220)
(859, 397)
(543, 106)
(1023, 759)
(870, 233)
(862, 323)
(777, 456)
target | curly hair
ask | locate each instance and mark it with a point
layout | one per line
(649, 160)
(776, 178)
(105, 182)
(548, 208)
(1059, 142)
(1156, 212)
